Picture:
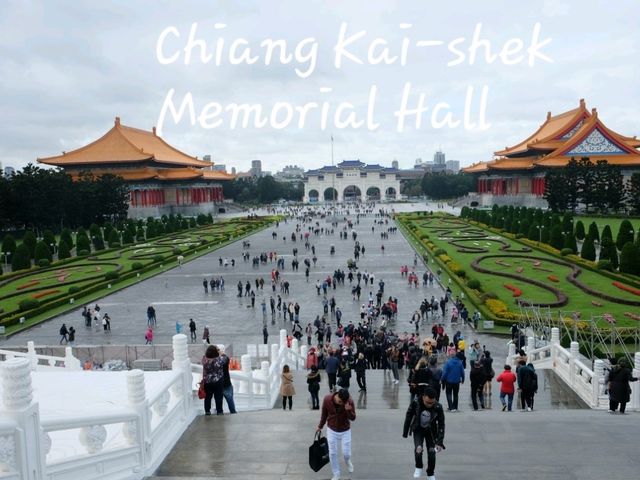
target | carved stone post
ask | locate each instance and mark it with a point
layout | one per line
(574, 350)
(138, 432)
(635, 386)
(283, 338)
(264, 367)
(182, 363)
(71, 362)
(24, 451)
(511, 353)
(245, 365)
(555, 341)
(597, 382)
(31, 354)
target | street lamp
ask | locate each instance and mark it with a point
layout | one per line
(53, 247)
(6, 263)
(540, 227)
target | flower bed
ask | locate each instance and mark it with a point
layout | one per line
(44, 293)
(632, 315)
(27, 285)
(626, 288)
(553, 278)
(516, 291)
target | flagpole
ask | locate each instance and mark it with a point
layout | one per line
(333, 178)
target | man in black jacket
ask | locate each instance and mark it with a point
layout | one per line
(425, 418)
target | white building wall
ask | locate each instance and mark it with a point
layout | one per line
(351, 178)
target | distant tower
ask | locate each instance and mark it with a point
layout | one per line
(256, 168)
(438, 157)
(395, 164)
(233, 170)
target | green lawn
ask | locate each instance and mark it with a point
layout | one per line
(453, 235)
(60, 282)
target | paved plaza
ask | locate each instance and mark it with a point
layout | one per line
(560, 440)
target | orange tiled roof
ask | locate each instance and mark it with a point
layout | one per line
(161, 174)
(553, 128)
(124, 144)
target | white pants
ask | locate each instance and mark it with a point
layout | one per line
(333, 438)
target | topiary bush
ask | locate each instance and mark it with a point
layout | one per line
(74, 289)
(112, 275)
(604, 265)
(473, 284)
(21, 260)
(28, 304)
(566, 251)
(177, 251)
(158, 258)
(43, 263)
(82, 253)
(440, 251)
(136, 266)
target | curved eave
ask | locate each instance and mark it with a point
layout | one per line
(547, 130)
(477, 168)
(630, 160)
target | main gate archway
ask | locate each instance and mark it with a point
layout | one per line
(330, 194)
(390, 193)
(352, 194)
(313, 196)
(373, 193)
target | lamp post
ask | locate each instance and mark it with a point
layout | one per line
(6, 263)
(540, 227)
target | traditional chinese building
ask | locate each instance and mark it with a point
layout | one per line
(351, 181)
(161, 178)
(517, 175)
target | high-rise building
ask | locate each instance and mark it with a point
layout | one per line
(256, 168)
(453, 165)
(9, 172)
(438, 158)
(395, 164)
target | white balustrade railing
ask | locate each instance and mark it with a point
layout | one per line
(42, 362)
(586, 381)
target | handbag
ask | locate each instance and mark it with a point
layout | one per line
(318, 452)
(201, 392)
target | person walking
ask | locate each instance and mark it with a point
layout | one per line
(425, 420)
(287, 389)
(192, 330)
(148, 336)
(338, 411)
(489, 373)
(331, 367)
(527, 384)
(206, 335)
(452, 377)
(265, 334)
(64, 334)
(313, 380)
(227, 386)
(361, 372)
(72, 335)
(507, 379)
(618, 385)
(213, 378)
(477, 379)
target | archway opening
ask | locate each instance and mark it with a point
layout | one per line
(390, 193)
(313, 196)
(330, 194)
(373, 193)
(352, 194)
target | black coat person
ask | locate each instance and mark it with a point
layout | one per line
(619, 388)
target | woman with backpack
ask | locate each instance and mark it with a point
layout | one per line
(313, 380)
(213, 376)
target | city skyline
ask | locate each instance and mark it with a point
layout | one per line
(77, 66)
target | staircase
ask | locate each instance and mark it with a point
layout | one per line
(273, 444)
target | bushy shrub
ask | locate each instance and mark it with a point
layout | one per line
(82, 253)
(21, 259)
(63, 250)
(440, 251)
(136, 266)
(473, 284)
(158, 258)
(82, 243)
(177, 251)
(566, 251)
(41, 252)
(28, 304)
(43, 263)
(604, 265)
(74, 289)
(497, 307)
(112, 275)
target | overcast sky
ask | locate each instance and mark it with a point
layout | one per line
(67, 68)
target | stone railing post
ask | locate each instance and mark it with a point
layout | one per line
(71, 362)
(31, 355)
(635, 386)
(275, 353)
(25, 450)
(304, 351)
(294, 352)
(574, 353)
(597, 381)
(283, 338)
(264, 367)
(531, 346)
(138, 432)
(511, 353)
(245, 365)
(182, 363)
(555, 341)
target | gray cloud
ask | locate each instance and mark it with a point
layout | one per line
(68, 68)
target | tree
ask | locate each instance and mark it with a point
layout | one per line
(567, 222)
(556, 239)
(570, 242)
(127, 237)
(593, 232)
(63, 249)
(588, 251)
(579, 231)
(22, 258)
(609, 252)
(534, 232)
(625, 234)
(268, 189)
(585, 180)
(633, 192)
(113, 238)
(630, 259)
(82, 244)
(9, 244)
(66, 236)
(606, 233)
(49, 239)
(29, 239)
(42, 251)
(554, 191)
(616, 192)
